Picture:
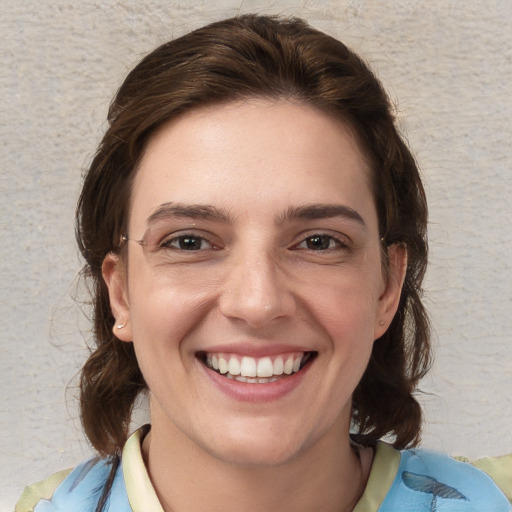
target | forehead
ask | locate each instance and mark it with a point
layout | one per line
(257, 153)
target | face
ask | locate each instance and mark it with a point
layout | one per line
(256, 292)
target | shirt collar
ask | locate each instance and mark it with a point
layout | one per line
(382, 474)
(140, 491)
(143, 498)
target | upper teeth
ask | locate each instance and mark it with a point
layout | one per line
(247, 366)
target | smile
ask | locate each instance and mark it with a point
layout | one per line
(254, 370)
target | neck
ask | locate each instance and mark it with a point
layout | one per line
(326, 477)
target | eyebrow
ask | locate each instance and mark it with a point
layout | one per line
(188, 211)
(208, 212)
(320, 211)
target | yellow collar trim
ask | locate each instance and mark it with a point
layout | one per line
(382, 474)
(143, 498)
(140, 490)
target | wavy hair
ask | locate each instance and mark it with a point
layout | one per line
(267, 57)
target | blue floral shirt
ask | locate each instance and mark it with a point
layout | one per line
(400, 481)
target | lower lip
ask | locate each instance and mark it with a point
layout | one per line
(251, 392)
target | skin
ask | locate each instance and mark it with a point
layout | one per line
(256, 283)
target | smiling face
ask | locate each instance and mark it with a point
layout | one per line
(256, 292)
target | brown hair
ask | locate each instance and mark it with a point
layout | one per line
(255, 56)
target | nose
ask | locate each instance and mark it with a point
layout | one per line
(256, 290)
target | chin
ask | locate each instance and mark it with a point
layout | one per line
(258, 456)
(256, 447)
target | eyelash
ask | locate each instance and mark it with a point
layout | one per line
(337, 242)
(167, 243)
(334, 242)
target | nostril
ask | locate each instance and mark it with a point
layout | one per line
(254, 292)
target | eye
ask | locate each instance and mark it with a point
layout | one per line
(187, 242)
(320, 242)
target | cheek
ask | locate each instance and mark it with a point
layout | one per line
(162, 313)
(346, 305)
(165, 313)
(346, 313)
(161, 319)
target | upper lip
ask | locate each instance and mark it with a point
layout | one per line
(256, 350)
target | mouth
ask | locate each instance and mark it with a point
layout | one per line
(256, 370)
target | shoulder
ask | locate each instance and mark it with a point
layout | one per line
(41, 490)
(78, 490)
(430, 481)
(498, 468)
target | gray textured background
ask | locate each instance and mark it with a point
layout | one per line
(448, 64)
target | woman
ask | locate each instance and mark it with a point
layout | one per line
(255, 231)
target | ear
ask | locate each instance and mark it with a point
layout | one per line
(114, 275)
(393, 281)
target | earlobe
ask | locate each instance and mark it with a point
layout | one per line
(390, 297)
(114, 276)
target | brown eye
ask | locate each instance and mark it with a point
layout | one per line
(319, 243)
(187, 243)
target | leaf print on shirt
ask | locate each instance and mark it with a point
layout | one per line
(429, 485)
(83, 473)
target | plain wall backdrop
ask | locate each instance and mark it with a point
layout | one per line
(447, 64)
